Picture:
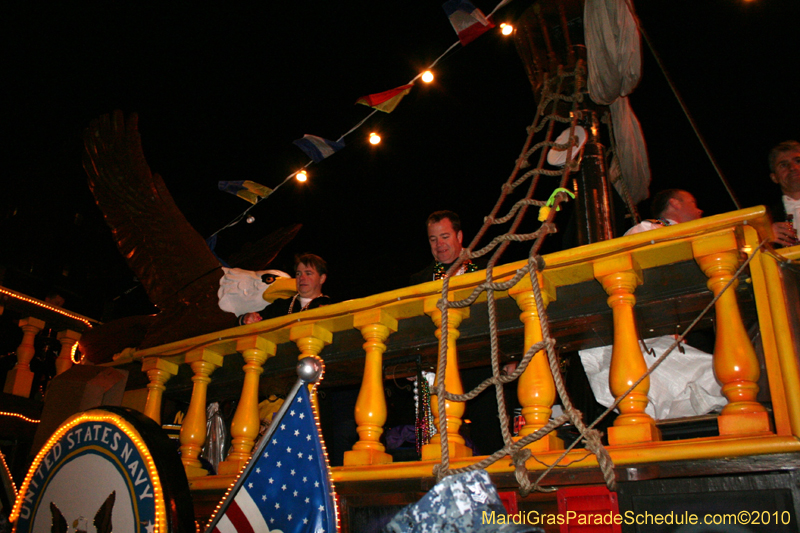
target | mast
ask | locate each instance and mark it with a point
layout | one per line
(550, 41)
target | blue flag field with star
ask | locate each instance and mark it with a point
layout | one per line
(287, 485)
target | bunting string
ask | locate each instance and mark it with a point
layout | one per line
(468, 22)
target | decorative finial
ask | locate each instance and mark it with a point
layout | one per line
(309, 369)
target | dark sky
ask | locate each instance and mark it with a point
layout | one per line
(222, 91)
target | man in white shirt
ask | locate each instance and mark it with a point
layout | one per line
(784, 166)
(670, 207)
(684, 385)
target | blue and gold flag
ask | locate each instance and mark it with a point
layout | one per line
(247, 190)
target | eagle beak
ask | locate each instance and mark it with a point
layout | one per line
(280, 288)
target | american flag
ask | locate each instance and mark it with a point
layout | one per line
(286, 487)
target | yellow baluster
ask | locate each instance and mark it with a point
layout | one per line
(370, 414)
(193, 430)
(735, 361)
(158, 371)
(68, 339)
(20, 378)
(620, 276)
(311, 339)
(454, 411)
(535, 387)
(245, 425)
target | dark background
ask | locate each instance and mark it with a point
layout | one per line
(223, 90)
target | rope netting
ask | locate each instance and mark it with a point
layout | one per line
(560, 103)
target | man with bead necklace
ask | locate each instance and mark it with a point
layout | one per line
(445, 239)
(311, 271)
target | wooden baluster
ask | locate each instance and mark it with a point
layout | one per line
(68, 339)
(454, 411)
(535, 387)
(158, 371)
(311, 339)
(20, 378)
(193, 430)
(620, 276)
(735, 361)
(376, 326)
(246, 423)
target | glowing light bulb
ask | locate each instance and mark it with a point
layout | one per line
(506, 29)
(302, 176)
(374, 138)
(251, 219)
(427, 76)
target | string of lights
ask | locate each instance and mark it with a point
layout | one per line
(45, 305)
(72, 355)
(8, 474)
(427, 76)
(22, 417)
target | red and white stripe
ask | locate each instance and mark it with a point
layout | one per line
(242, 516)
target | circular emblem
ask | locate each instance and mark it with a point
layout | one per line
(102, 470)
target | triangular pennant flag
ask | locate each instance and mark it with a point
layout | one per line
(247, 190)
(468, 21)
(387, 100)
(318, 148)
(286, 486)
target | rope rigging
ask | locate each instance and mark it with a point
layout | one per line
(564, 87)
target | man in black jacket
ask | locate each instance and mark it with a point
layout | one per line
(311, 271)
(784, 166)
(445, 239)
(446, 242)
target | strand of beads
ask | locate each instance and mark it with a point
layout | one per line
(425, 428)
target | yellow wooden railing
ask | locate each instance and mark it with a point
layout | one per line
(38, 314)
(717, 244)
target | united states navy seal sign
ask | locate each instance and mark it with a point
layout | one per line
(102, 470)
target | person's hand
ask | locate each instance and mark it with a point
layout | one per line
(251, 318)
(784, 234)
(509, 368)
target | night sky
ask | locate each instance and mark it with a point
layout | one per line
(222, 91)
